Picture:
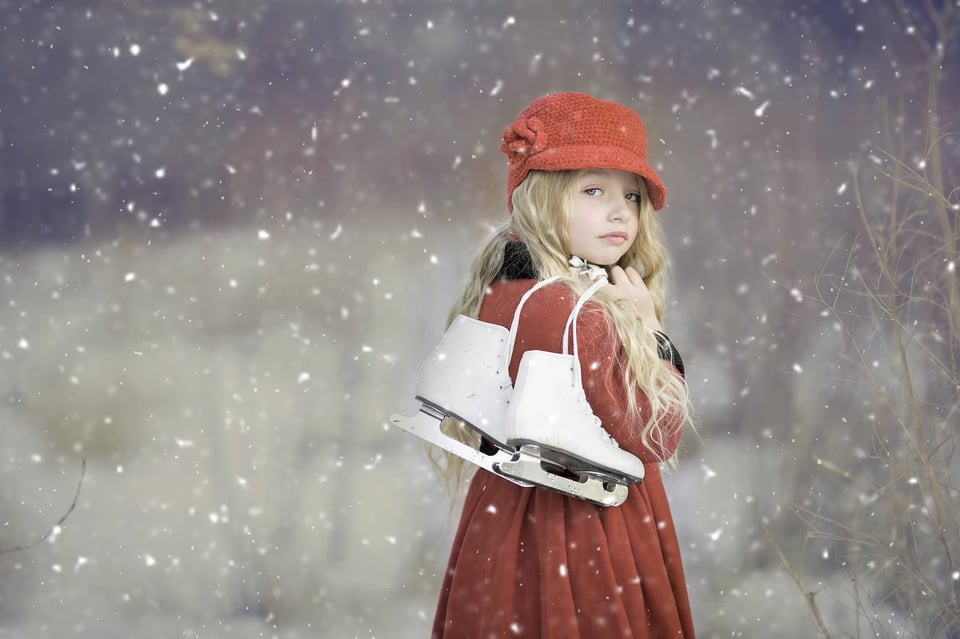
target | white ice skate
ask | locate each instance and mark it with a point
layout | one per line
(560, 442)
(544, 430)
(466, 377)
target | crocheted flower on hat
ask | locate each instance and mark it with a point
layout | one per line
(525, 137)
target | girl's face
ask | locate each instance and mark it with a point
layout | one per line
(605, 215)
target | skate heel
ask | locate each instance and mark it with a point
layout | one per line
(425, 424)
(619, 468)
(532, 466)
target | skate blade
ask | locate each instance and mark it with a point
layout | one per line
(426, 425)
(529, 467)
(433, 409)
(578, 466)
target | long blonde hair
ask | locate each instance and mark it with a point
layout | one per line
(541, 220)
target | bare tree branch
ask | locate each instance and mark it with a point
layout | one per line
(59, 524)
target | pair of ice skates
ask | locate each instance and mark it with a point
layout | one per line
(542, 429)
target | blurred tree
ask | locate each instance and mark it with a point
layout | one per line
(890, 508)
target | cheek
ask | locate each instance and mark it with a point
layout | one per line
(575, 243)
(573, 239)
(577, 227)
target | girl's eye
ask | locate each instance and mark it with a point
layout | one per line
(592, 191)
(633, 197)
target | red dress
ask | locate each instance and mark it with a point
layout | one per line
(532, 562)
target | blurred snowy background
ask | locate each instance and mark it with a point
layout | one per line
(230, 231)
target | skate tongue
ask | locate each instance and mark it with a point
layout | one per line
(580, 267)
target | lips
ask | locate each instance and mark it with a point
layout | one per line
(617, 237)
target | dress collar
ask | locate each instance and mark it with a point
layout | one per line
(580, 267)
(518, 265)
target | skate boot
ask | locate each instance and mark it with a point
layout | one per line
(467, 378)
(560, 442)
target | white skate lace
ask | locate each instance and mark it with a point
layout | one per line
(580, 267)
(594, 272)
(594, 420)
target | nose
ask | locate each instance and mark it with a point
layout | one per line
(620, 211)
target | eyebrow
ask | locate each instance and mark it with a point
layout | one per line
(604, 173)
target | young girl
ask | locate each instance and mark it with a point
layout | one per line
(533, 562)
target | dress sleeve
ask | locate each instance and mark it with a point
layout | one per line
(668, 352)
(541, 328)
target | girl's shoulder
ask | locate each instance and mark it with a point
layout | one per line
(547, 306)
(555, 295)
(544, 314)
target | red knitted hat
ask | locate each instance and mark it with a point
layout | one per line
(568, 131)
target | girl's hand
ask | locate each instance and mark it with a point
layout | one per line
(628, 285)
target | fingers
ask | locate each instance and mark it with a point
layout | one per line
(630, 276)
(634, 275)
(628, 284)
(618, 275)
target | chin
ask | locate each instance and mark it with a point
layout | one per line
(606, 262)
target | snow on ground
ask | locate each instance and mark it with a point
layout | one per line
(239, 481)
